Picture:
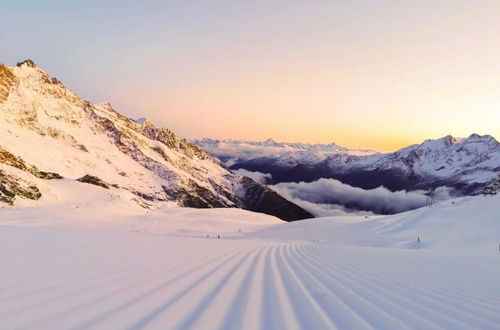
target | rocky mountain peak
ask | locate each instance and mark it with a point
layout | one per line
(106, 105)
(140, 121)
(449, 140)
(28, 63)
(465, 164)
(270, 142)
(476, 138)
(55, 134)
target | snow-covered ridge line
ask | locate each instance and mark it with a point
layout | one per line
(272, 143)
(465, 163)
(271, 147)
(51, 128)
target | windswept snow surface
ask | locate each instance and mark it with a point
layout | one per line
(89, 266)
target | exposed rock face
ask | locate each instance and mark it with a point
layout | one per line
(7, 81)
(12, 187)
(171, 140)
(48, 126)
(493, 187)
(27, 62)
(90, 179)
(14, 161)
(259, 198)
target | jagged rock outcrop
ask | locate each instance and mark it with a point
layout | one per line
(14, 161)
(90, 179)
(7, 81)
(493, 187)
(259, 198)
(12, 187)
(27, 62)
(47, 126)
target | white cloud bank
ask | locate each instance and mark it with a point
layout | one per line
(256, 176)
(326, 197)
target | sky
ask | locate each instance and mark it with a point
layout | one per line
(374, 74)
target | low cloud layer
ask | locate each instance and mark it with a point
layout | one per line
(332, 197)
(326, 210)
(256, 176)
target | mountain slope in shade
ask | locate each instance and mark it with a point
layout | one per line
(466, 164)
(46, 128)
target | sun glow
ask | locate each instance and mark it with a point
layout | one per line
(364, 74)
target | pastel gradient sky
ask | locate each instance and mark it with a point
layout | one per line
(362, 73)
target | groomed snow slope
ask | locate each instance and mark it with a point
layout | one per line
(89, 266)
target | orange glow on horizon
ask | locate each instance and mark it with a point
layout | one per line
(363, 74)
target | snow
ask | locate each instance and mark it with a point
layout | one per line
(98, 262)
(472, 159)
(85, 257)
(240, 150)
(52, 128)
(466, 160)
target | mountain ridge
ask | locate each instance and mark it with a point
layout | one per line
(50, 127)
(463, 163)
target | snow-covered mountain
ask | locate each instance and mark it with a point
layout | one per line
(49, 132)
(237, 151)
(463, 163)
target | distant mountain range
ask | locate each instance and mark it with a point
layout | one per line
(238, 151)
(48, 133)
(464, 164)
